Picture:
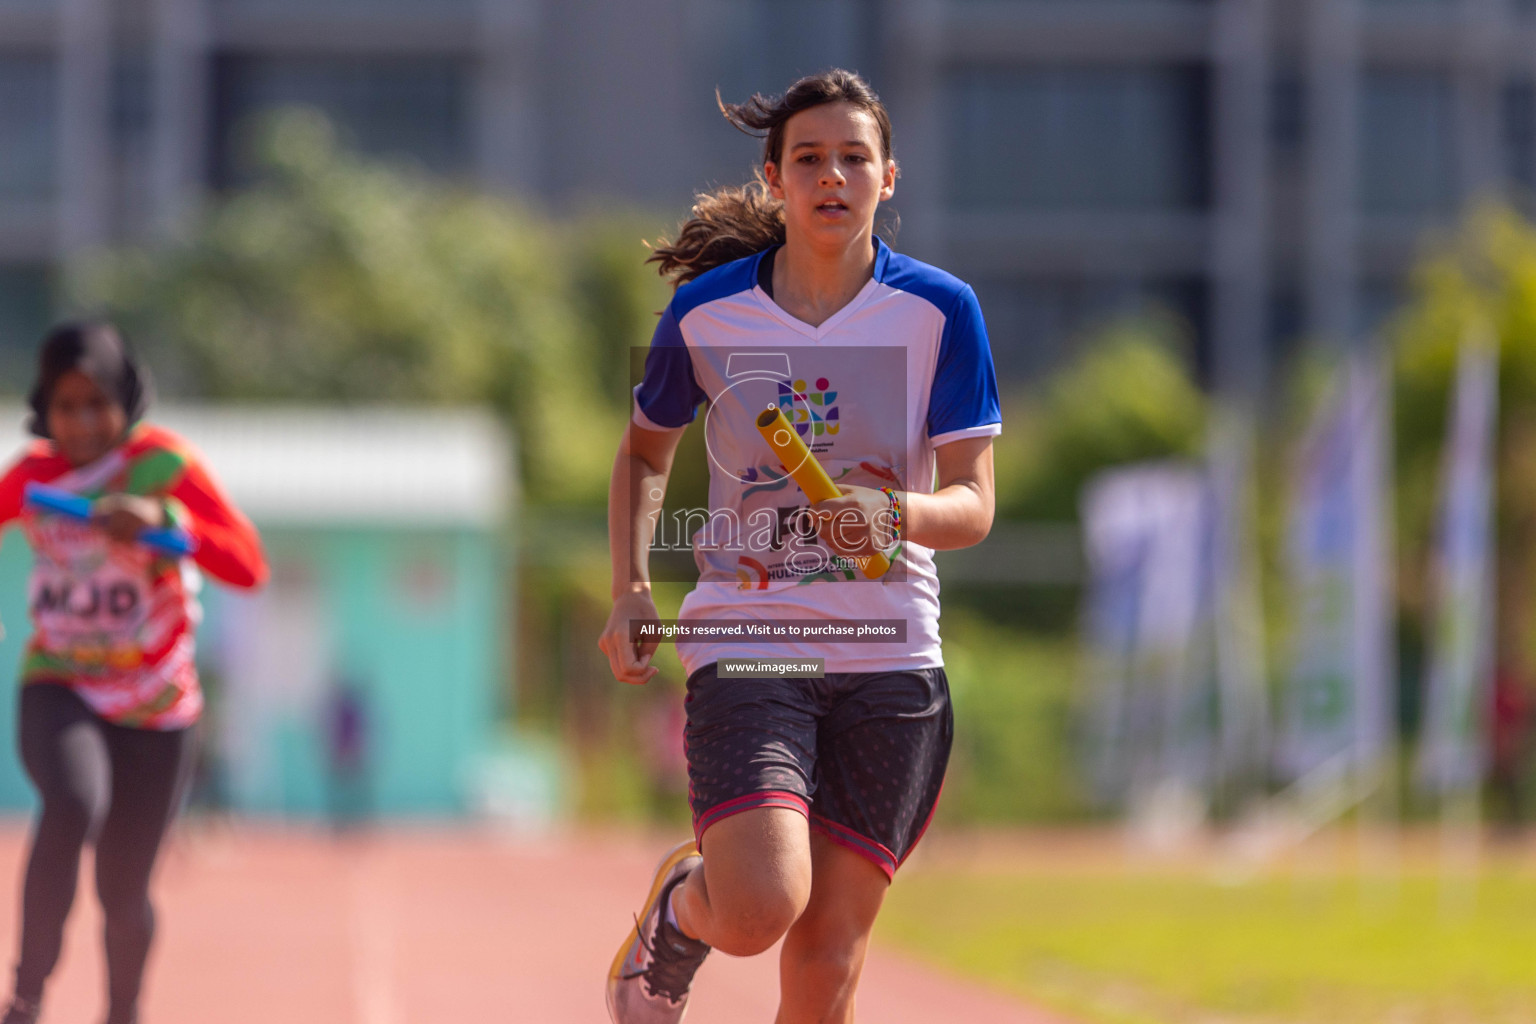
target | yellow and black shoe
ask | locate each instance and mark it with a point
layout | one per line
(649, 980)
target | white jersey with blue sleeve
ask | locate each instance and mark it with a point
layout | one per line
(902, 369)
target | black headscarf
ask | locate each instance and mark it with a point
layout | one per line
(101, 352)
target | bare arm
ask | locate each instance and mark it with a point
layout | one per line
(959, 513)
(635, 494)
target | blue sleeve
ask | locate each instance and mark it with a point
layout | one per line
(668, 396)
(964, 394)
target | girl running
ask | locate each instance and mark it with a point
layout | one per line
(807, 792)
(110, 692)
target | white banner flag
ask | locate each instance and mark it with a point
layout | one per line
(1147, 538)
(1337, 707)
(1454, 750)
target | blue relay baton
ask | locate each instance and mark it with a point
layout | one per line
(170, 540)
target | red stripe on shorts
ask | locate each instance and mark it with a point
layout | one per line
(749, 802)
(864, 846)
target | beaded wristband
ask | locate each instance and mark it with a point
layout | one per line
(895, 501)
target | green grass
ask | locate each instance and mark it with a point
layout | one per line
(1122, 945)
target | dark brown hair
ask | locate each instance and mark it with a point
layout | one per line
(99, 350)
(730, 223)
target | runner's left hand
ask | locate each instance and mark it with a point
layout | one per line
(847, 522)
(125, 516)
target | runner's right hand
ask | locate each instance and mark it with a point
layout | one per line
(125, 516)
(630, 661)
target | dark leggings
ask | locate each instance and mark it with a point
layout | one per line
(118, 785)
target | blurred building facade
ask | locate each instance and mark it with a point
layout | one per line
(1265, 168)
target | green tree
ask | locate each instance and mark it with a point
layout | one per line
(336, 279)
(1129, 397)
(1481, 278)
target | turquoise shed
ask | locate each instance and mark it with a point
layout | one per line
(368, 677)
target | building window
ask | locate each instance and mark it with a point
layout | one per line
(1079, 138)
(403, 108)
(25, 307)
(28, 101)
(133, 139)
(344, 7)
(1517, 111)
(764, 45)
(1286, 322)
(1376, 303)
(1287, 115)
(132, 99)
(1406, 143)
(1105, 3)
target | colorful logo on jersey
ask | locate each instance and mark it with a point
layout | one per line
(814, 413)
(776, 479)
(745, 580)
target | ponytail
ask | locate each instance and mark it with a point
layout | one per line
(725, 225)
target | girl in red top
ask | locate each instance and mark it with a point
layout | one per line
(109, 692)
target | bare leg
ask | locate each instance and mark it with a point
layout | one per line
(753, 884)
(823, 953)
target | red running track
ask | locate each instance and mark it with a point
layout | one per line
(261, 924)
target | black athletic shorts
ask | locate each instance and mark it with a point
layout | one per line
(861, 754)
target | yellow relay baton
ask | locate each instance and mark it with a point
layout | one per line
(808, 473)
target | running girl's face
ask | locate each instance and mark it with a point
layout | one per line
(833, 174)
(83, 420)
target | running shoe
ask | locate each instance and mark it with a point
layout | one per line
(649, 980)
